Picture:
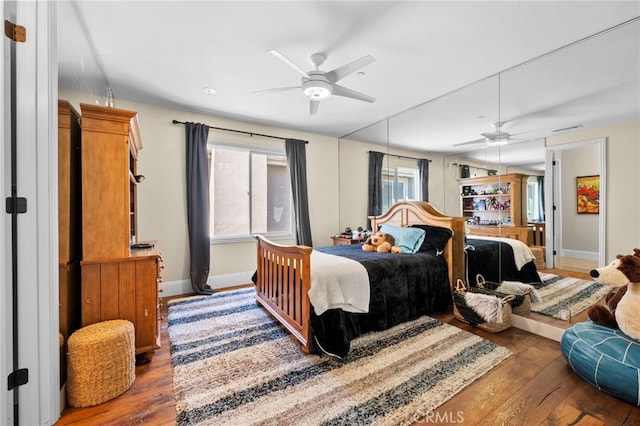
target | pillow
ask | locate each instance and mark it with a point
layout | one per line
(408, 239)
(436, 238)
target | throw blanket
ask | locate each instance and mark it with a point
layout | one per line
(403, 287)
(521, 252)
(495, 261)
(338, 282)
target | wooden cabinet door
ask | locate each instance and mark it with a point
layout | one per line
(105, 182)
(147, 304)
(90, 294)
(123, 289)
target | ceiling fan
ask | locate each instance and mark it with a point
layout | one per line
(495, 138)
(317, 85)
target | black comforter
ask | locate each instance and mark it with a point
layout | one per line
(485, 256)
(403, 288)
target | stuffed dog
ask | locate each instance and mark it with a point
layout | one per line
(624, 301)
(381, 242)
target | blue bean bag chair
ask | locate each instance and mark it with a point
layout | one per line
(604, 357)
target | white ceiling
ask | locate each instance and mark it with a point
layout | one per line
(443, 57)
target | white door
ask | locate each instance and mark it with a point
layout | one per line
(31, 113)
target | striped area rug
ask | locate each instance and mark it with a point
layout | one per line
(233, 365)
(558, 292)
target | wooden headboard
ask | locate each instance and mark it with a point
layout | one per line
(405, 213)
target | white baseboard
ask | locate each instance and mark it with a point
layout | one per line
(178, 288)
(537, 327)
(578, 254)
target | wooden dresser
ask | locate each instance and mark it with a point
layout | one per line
(116, 281)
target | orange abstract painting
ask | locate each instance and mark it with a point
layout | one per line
(588, 192)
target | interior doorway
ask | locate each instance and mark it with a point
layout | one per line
(576, 184)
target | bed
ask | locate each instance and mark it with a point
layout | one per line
(499, 259)
(283, 281)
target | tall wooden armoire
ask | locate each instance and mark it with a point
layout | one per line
(117, 282)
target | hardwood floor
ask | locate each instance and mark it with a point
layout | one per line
(573, 264)
(535, 386)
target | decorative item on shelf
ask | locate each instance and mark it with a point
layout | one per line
(347, 233)
(492, 203)
(363, 233)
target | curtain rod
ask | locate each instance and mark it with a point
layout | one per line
(239, 131)
(403, 156)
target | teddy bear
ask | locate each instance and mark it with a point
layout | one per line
(623, 302)
(381, 242)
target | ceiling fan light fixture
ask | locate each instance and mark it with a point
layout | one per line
(500, 140)
(317, 90)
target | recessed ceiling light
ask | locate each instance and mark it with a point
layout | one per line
(209, 90)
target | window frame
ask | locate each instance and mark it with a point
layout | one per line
(251, 149)
(390, 168)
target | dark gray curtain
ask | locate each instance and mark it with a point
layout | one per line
(541, 216)
(423, 166)
(198, 206)
(297, 164)
(375, 184)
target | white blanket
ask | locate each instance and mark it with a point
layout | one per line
(338, 282)
(521, 252)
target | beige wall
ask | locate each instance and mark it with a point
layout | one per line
(162, 199)
(622, 180)
(337, 178)
(354, 171)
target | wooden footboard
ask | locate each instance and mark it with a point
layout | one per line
(284, 272)
(282, 286)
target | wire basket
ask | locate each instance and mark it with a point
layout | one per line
(471, 315)
(520, 305)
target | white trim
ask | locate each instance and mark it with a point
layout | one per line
(578, 254)
(36, 83)
(183, 287)
(6, 401)
(552, 237)
(537, 327)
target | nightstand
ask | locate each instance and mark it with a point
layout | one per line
(340, 241)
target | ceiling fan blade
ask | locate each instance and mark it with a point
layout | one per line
(313, 107)
(288, 62)
(350, 93)
(471, 142)
(278, 89)
(343, 71)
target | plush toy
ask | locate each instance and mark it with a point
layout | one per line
(623, 302)
(381, 242)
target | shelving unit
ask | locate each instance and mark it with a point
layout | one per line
(495, 200)
(496, 205)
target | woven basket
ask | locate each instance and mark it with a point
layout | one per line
(466, 314)
(520, 305)
(101, 362)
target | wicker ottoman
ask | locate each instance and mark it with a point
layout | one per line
(539, 253)
(101, 362)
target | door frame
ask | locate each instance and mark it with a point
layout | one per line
(552, 193)
(36, 129)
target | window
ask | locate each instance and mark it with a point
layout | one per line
(250, 194)
(400, 181)
(532, 201)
